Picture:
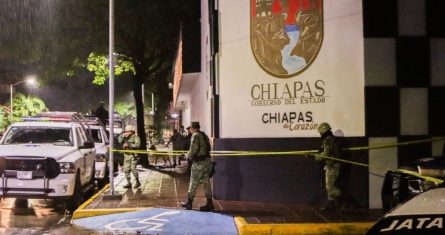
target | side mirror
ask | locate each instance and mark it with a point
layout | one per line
(87, 145)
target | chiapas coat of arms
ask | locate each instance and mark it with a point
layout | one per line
(286, 35)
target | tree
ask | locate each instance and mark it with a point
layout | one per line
(99, 65)
(23, 106)
(125, 110)
(27, 106)
(146, 32)
(54, 39)
(4, 118)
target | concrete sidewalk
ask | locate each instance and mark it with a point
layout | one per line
(166, 187)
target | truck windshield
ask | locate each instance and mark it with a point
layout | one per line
(38, 135)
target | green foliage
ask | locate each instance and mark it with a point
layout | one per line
(125, 109)
(27, 106)
(23, 106)
(4, 120)
(99, 65)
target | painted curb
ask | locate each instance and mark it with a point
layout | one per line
(304, 228)
(84, 213)
(87, 202)
(81, 212)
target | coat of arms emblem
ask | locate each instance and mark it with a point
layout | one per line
(286, 35)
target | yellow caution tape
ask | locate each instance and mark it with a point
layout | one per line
(252, 153)
(301, 153)
(215, 153)
(413, 173)
(342, 160)
(154, 152)
(396, 144)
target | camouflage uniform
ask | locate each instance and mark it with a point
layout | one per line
(130, 159)
(330, 148)
(200, 171)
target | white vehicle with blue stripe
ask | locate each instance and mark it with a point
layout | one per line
(424, 214)
(50, 156)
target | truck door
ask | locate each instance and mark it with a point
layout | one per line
(88, 156)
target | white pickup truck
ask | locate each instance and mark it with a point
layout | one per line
(48, 157)
(101, 143)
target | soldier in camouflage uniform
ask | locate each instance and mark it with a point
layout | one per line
(330, 148)
(199, 154)
(129, 141)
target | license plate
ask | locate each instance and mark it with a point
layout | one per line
(24, 175)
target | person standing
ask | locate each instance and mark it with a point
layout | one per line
(199, 154)
(330, 148)
(182, 130)
(178, 142)
(187, 140)
(130, 141)
(102, 113)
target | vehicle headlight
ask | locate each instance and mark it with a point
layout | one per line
(67, 168)
(100, 158)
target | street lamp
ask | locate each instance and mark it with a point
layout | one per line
(29, 80)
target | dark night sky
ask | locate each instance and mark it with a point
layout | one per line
(33, 29)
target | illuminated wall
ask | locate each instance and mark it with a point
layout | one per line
(287, 68)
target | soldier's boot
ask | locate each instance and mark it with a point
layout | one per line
(187, 205)
(339, 204)
(330, 206)
(208, 206)
(138, 184)
(128, 185)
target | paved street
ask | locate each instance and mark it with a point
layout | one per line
(21, 216)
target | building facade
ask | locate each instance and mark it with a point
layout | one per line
(271, 71)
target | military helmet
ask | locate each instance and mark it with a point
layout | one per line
(195, 125)
(323, 128)
(130, 128)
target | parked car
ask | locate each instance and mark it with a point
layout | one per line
(101, 143)
(399, 186)
(424, 214)
(118, 126)
(47, 156)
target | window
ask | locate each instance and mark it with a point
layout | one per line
(96, 135)
(39, 135)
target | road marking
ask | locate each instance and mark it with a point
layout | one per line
(153, 223)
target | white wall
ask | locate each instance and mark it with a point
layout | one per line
(197, 98)
(380, 161)
(199, 105)
(338, 69)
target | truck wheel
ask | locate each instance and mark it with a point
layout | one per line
(76, 199)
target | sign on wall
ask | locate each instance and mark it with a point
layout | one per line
(285, 36)
(285, 66)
